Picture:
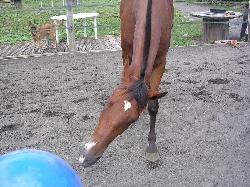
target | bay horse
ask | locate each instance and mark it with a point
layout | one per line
(145, 39)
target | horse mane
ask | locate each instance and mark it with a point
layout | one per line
(139, 90)
(147, 39)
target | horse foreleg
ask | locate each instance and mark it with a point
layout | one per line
(152, 153)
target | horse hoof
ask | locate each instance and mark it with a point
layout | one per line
(152, 157)
(153, 160)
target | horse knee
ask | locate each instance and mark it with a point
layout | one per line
(153, 107)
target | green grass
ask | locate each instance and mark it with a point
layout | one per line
(14, 23)
(184, 32)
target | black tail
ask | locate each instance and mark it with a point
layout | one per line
(139, 89)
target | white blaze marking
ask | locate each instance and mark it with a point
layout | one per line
(89, 145)
(127, 105)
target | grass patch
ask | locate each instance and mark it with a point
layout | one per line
(14, 23)
(184, 32)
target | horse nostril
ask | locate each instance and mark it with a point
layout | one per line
(82, 153)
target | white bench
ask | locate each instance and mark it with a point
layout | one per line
(77, 16)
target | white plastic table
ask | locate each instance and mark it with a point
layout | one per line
(77, 16)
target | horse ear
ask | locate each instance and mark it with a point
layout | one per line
(152, 95)
(126, 74)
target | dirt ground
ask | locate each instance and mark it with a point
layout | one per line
(53, 104)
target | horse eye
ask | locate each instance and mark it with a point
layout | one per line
(133, 121)
(109, 103)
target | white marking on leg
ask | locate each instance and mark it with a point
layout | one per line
(127, 105)
(81, 160)
(89, 145)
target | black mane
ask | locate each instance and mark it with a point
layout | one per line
(139, 92)
(146, 40)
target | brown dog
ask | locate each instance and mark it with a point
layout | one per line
(44, 31)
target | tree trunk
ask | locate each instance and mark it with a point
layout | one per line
(70, 27)
(248, 22)
(74, 2)
(18, 4)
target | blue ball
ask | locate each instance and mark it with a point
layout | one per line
(35, 168)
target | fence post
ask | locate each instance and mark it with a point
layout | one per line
(70, 27)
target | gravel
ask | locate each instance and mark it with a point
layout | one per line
(52, 103)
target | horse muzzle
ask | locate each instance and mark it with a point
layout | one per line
(86, 160)
(89, 156)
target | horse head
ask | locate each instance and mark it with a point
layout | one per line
(122, 109)
(145, 39)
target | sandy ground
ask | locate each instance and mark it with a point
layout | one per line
(53, 104)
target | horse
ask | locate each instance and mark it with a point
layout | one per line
(145, 39)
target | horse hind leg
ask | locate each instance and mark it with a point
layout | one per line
(152, 154)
